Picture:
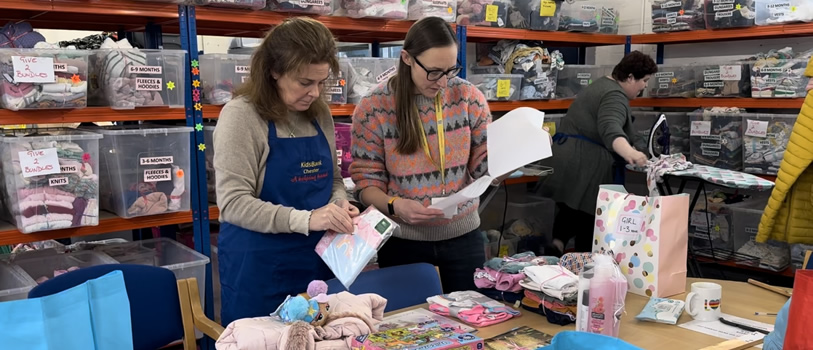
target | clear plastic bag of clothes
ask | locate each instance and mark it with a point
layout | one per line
(388, 9)
(347, 254)
(239, 4)
(772, 12)
(318, 7)
(445, 9)
(44, 78)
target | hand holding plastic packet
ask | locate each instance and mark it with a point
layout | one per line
(347, 254)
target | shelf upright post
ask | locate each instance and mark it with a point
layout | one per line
(659, 53)
(375, 49)
(628, 45)
(461, 51)
(582, 54)
(153, 36)
(194, 118)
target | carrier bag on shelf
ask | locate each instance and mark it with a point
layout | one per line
(348, 254)
(797, 334)
(648, 236)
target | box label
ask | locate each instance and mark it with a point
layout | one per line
(145, 70)
(671, 20)
(771, 81)
(723, 7)
(68, 169)
(540, 81)
(312, 2)
(715, 84)
(711, 137)
(630, 225)
(607, 22)
(722, 1)
(664, 74)
(700, 128)
(60, 67)
(663, 86)
(492, 11)
(664, 80)
(440, 3)
(711, 146)
(29, 69)
(671, 4)
(156, 160)
(586, 24)
(334, 90)
(158, 175)
(584, 75)
(242, 69)
(39, 162)
(57, 181)
(731, 73)
(725, 14)
(503, 88)
(710, 153)
(547, 8)
(387, 74)
(756, 128)
(672, 15)
(771, 70)
(584, 82)
(588, 7)
(149, 84)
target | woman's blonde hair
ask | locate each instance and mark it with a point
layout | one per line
(288, 48)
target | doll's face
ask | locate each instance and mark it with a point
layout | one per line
(321, 317)
(435, 59)
(300, 89)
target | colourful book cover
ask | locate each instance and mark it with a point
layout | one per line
(418, 317)
(521, 338)
(348, 254)
(419, 337)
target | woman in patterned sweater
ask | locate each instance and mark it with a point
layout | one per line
(418, 137)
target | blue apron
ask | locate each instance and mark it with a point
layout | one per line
(258, 270)
(619, 166)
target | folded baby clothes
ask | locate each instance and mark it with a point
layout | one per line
(471, 307)
(552, 280)
(517, 262)
(505, 297)
(67, 90)
(502, 281)
(554, 317)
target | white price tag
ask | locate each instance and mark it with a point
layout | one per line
(700, 128)
(757, 128)
(33, 69)
(39, 162)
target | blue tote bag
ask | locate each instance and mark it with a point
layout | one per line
(572, 340)
(94, 315)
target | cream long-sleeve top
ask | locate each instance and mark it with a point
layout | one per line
(241, 150)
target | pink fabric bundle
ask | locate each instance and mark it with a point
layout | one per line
(477, 316)
(505, 282)
(471, 307)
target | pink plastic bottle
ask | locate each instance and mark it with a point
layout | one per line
(608, 290)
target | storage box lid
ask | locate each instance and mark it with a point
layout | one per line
(23, 281)
(46, 134)
(142, 129)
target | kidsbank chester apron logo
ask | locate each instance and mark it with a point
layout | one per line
(311, 171)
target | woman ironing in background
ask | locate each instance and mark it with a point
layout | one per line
(278, 183)
(592, 146)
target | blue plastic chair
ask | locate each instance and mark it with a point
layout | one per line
(155, 305)
(403, 286)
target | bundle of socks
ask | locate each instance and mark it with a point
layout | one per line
(145, 198)
(390, 9)
(770, 12)
(526, 14)
(778, 74)
(723, 147)
(240, 4)
(711, 84)
(673, 82)
(320, 8)
(551, 290)
(674, 16)
(114, 79)
(733, 14)
(38, 206)
(68, 91)
(19, 35)
(474, 13)
(763, 155)
(472, 308)
(446, 9)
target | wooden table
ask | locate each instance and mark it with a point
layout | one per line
(739, 299)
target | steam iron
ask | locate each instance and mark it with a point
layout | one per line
(659, 138)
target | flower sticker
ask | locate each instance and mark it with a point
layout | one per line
(86, 158)
(196, 83)
(682, 12)
(171, 85)
(179, 173)
(198, 127)
(76, 79)
(198, 106)
(195, 71)
(201, 147)
(674, 80)
(739, 6)
(195, 63)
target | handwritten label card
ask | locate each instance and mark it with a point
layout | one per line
(547, 8)
(757, 128)
(492, 12)
(629, 225)
(731, 73)
(700, 128)
(503, 88)
(39, 162)
(33, 69)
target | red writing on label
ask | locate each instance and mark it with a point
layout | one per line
(307, 178)
(37, 169)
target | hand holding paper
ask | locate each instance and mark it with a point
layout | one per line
(515, 140)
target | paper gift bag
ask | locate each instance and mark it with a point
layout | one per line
(797, 334)
(648, 236)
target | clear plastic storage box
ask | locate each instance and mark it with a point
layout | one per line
(43, 79)
(778, 78)
(43, 268)
(51, 178)
(144, 169)
(446, 9)
(366, 73)
(765, 139)
(131, 78)
(677, 15)
(534, 14)
(211, 182)
(336, 84)
(538, 82)
(388, 9)
(483, 13)
(498, 87)
(673, 81)
(589, 17)
(221, 75)
(725, 80)
(710, 229)
(238, 4)
(678, 123)
(319, 7)
(730, 14)
(716, 140)
(745, 217)
(770, 12)
(14, 283)
(574, 78)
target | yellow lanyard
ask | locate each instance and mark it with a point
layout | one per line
(441, 142)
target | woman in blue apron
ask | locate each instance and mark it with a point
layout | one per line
(279, 186)
(592, 146)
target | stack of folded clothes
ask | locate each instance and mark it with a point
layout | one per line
(551, 290)
(499, 278)
(472, 308)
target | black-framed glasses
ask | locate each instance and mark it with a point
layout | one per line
(436, 74)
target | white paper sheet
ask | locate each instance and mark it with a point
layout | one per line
(515, 140)
(719, 330)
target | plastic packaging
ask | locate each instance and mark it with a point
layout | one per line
(336, 84)
(778, 76)
(589, 17)
(446, 9)
(318, 7)
(677, 15)
(239, 4)
(574, 78)
(765, 139)
(608, 289)
(43, 79)
(662, 310)
(211, 181)
(498, 87)
(14, 283)
(678, 129)
(716, 140)
(725, 80)
(729, 14)
(366, 73)
(347, 254)
(583, 299)
(484, 13)
(673, 81)
(388, 9)
(535, 14)
(41, 269)
(221, 75)
(771, 12)
(131, 78)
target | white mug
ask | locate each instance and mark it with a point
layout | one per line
(704, 301)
